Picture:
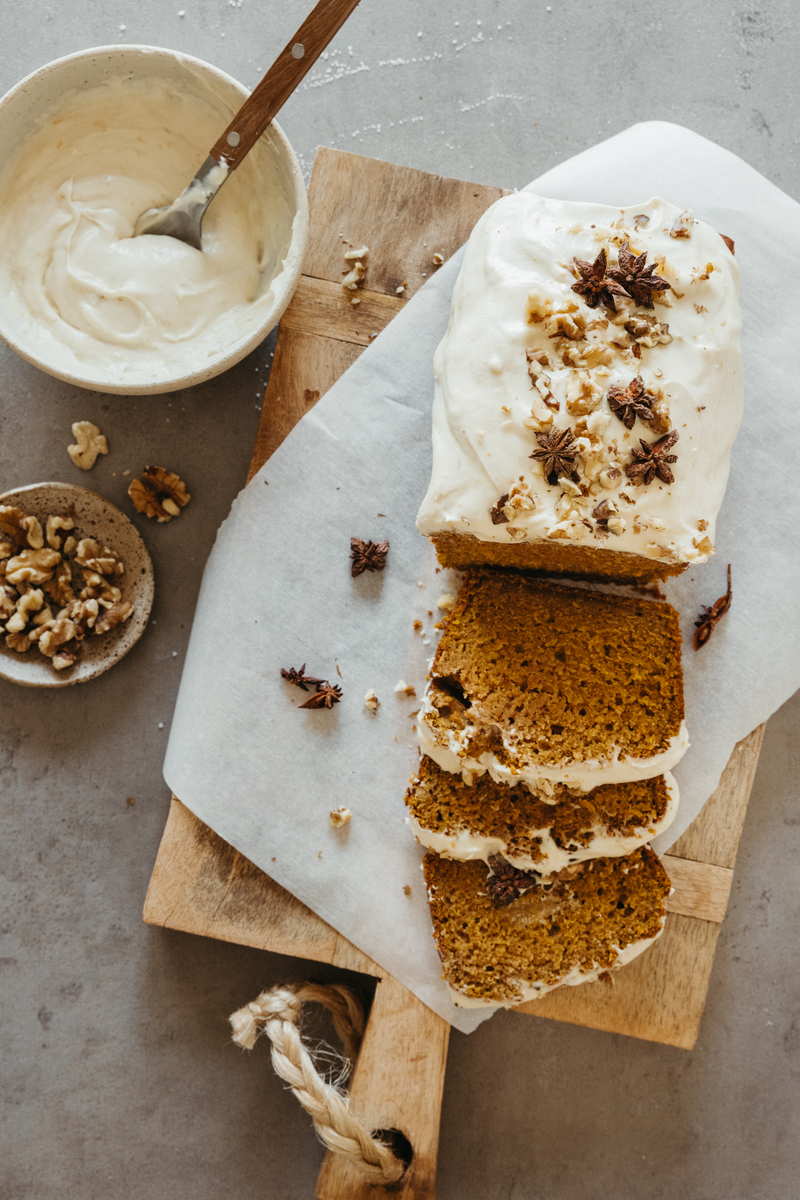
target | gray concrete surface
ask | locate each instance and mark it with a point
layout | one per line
(118, 1078)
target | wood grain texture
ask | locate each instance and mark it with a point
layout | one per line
(203, 886)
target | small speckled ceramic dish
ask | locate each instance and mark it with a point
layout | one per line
(97, 518)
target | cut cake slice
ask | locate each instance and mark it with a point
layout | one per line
(486, 819)
(544, 684)
(503, 940)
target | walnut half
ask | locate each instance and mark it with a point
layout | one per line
(89, 442)
(159, 493)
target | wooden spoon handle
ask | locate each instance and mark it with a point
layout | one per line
(290, 67)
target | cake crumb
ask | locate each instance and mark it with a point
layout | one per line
(404, 689)
(340, 816)
(371, 700)
(406, 890)
(446, 602)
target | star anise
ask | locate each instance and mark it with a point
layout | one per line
(637, 279)
(367, 556)
(652, 459)
(326, 695)
(704, 625)
(497, 514)
(557, 452)
(631, 402)
(297, 675)
(507, 883)
(594, 285)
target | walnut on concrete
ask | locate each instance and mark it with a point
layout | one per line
(89, 442)
(159, 493)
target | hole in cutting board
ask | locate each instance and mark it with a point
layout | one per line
(398, 1143)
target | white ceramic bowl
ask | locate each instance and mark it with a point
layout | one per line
(274, 172)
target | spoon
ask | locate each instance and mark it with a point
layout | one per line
(183, 218)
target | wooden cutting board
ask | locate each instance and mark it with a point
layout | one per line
(201, 885)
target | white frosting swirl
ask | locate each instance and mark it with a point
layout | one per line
(89, 300)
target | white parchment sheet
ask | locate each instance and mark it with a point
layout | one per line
(277, 590)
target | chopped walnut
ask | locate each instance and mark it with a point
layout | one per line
(28, 604)
(682, 226)
(405, 689)
(354, 277)
(583, 395)
(58, 531)
(353, 255)
(17, 527)
(65, 656)
(59, 588)
(371, 700)
(585, 354)
(616, 525)
(94, 556)
(83, 614)
(645, 329)
(159, 493)
(32, 566)
(56, 634)
(446, 602)
(537, 361)
(19, 642)
(568, 324)
(89, 443)
(538, 308)
(516, 533)
(113, 616)
(340, 817)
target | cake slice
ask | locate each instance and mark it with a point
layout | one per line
(544, 684)
(587, 392)
(504, 937)
(488, 819)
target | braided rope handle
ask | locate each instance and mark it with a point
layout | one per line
(277, 1012)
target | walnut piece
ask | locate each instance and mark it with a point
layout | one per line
(89, 442)
(340, 817)
(159, 493)
(32, 566)
(25, 614)
(113, 616)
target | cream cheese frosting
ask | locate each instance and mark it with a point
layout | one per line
(88, 299)
(467, 845)
(524, 354)
(447, 747)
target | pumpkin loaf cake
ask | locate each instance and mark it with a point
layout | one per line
(539, 683)
(487, 819)
(587, 392)
(505, 936)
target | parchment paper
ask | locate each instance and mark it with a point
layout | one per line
(277, 590)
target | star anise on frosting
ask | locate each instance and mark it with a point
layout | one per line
(704, 625)
(594, 285)
(631, 402)
(557, 452)
(326, 695)
(507, 883)
(497, 514)
(367, 556)
(653, 459)
(637, 279)
(297, 675)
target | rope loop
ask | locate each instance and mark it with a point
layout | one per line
(277, 1013)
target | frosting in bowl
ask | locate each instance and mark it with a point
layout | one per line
(87, 300)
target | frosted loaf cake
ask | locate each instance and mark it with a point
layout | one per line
(588, 392)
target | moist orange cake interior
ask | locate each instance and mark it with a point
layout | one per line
(443, 803)
(575, 919)
(557, 673)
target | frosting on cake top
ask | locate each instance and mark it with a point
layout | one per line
(589, 385)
